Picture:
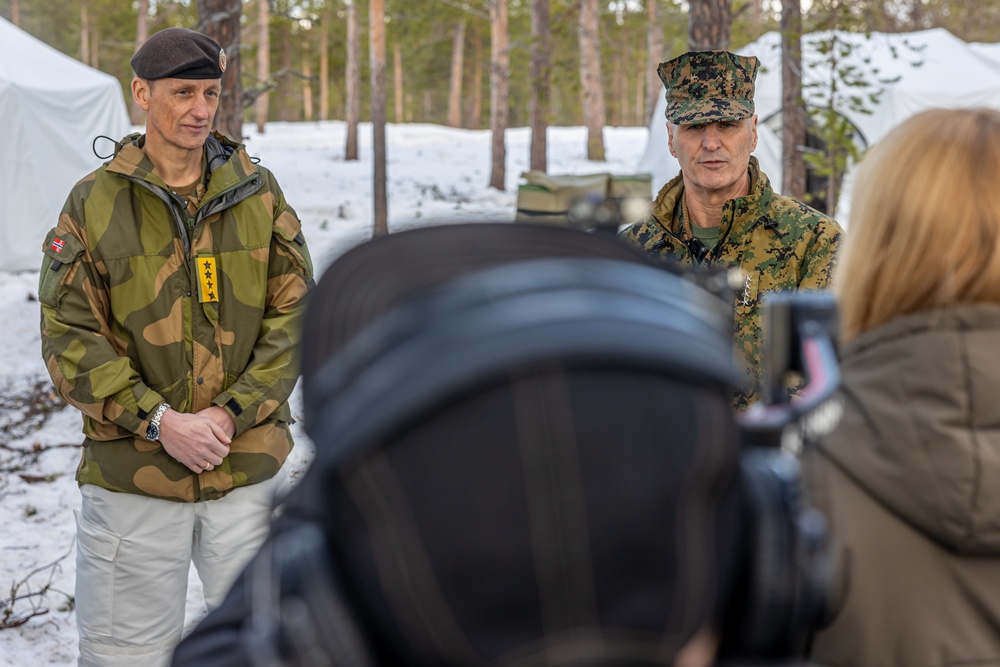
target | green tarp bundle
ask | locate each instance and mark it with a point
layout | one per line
(544, 198)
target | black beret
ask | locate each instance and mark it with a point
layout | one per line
(179, 53)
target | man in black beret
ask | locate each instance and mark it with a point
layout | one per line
(171, 293)
(187, 67)
(179, 53)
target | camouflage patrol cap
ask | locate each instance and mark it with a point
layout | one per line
(709, 86)
(179, 53)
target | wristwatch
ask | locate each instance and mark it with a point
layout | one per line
(153, 430)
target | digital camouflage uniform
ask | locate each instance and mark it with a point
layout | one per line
(148, 298)
(779, 243)
(708, 86)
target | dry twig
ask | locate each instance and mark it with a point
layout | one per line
(23, 412)
(24, 591)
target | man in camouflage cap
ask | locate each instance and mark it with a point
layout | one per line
(721, 210)
(171, 291)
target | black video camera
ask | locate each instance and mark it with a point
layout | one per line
(525, 452)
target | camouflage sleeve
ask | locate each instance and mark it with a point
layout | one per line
(816, 270)
(651, 236)
(88, 366)
(640, 234)
(269, 379)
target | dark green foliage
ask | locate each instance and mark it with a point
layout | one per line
(424, 30)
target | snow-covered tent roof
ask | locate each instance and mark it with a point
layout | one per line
(51, 109)
(918, 70)
(989, 51)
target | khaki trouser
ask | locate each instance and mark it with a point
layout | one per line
(133, 558)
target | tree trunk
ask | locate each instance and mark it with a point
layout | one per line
(263, 61)
(284, 82)
(541, 75)
(756, 17)
(708, 25)
(307, 90)
(376, 18)
(834, 146)
(833, 183)
(590, 79)
(640, 117)
(84, 32)
(95, 45)
(793, 113)
(353, 81)
(654, 54)
(476, 108)
(917, 13)
(617, 89)
(220, 20)
(136, 114)
(457, 68)
(397, 80)
(499, 80)
(324, 63)
(15, 12)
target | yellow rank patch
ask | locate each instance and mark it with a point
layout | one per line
(208, 280)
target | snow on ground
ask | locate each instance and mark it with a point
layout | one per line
(436, 175)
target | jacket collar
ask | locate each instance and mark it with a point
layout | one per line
(667, 204)
(228, 162)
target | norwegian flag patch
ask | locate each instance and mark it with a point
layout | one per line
(57, 244)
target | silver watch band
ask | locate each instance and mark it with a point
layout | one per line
(153, 429)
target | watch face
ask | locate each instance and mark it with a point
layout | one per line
(153, 428)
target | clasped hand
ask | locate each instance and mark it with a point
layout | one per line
(199, 440)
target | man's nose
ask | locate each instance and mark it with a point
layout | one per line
(201, 107)
(710, 139)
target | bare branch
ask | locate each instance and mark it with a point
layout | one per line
(23, 591)
(465, 7)
(22, 412)
(250, 95)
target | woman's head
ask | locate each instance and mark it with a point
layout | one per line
(925, 220)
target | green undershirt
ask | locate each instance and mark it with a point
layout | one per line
(707, 235)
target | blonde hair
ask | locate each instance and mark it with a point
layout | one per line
(925, 220)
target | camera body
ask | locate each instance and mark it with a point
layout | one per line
(526, 447)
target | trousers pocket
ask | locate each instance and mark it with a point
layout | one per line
(96, 552)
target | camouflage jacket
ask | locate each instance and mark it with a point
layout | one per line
(779, 243)
(143, 302)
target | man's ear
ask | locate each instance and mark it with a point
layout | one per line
(140, 93)
(753, 128)
(670, 138)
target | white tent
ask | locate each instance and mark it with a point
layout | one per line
(51, 109)
(918, 70)
(989, 51)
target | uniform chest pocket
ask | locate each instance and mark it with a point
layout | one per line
(61, 253)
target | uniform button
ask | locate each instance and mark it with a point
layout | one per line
(189, 293)
(201, 380)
